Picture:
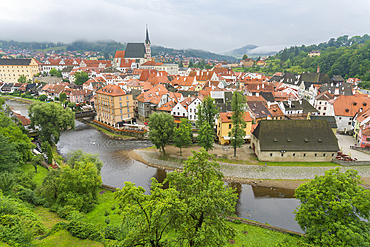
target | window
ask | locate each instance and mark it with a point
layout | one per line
(120, 104)
(128, 115)
(128, 103)
(332, 154)
(349, 123)
(304, 155)
(128, 109)
(119, 98)
(293, 155)
(282, 155)
(324, 155)
(121, 111)
(126, 97)
(191, 110)
(368, 139)
(324, 108)
(270, 154)
(319, 107)
(315, 155)
(183, 114)
(229, 126)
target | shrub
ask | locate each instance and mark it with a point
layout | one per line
(84, 230)
(113, 232)
(106, 213)
(64, 212)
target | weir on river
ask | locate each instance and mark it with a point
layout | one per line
(263, 204)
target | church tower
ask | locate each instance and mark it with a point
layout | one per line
(148, 53)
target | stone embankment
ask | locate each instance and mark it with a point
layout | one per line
(240, 171)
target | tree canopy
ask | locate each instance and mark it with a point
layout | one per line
(50, 119)
(237, 132)
(9, 156)
(160, 129)
(182, 135)
(81, 77)
(76, 156)
(334, 210)
(207, 201)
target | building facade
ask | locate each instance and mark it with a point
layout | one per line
(12, 69)
(113, 105)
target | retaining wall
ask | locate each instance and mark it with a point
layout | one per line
(351, 163)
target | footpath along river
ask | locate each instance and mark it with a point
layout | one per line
(270, 205)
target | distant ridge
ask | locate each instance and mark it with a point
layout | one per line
(239, 52)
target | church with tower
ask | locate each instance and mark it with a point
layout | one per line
(134, 55)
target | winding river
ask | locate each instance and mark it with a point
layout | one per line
(274, 206)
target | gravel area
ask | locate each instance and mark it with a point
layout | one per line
(255, 171)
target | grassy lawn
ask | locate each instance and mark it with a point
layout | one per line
(106, 203)
(247, 235)
(49, 219)
(39, 176)
(64, 239)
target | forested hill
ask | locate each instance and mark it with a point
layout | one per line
(348, 57)
(157, 50)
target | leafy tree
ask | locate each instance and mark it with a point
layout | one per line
(62, 97)
(334, 210)
(207, 112)
(182, 135)
(76, 156)
(22, 79)
(207, 202)
(55, 72)
(16, 137)
(150, 215)
(71, 105)
(190, 65)
(50, 155)
(43, 97)
(77, 187)
(81, 77)
(160, 129)
(206, 136)
(2, 102)
(245, 56)
(238, 122)
(180, 64)
(50, 119)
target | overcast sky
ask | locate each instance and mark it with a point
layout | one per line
(216, 26)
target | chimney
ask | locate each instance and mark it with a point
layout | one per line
(257, 94)
(258, 87)
(263, 86)
(318, 69)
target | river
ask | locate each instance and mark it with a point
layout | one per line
(274, 206)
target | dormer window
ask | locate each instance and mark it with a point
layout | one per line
(346, 110)
(275, 139)
(354, 103)
(319, 140)
(288, 139)
(305, 140)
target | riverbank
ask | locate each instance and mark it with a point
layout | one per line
(286, 177)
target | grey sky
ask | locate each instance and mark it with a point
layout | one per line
(216, 26)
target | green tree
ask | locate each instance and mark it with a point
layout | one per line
(207, 112)
(180, 64)
(150, 215)
(182, 135)
(43, 97)
(245, 56)
(50, 119)
(9, 156)
(207, 201)
(76, 156)
(53, 72)
(334, 210)
(77, 187)
(17, 136)
(160, 129)
(50, 155)
(81, 77)
(2, 102)
(62, 97)
(237, 132)
(22, 79)
(206, 136)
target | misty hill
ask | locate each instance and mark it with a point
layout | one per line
(239, 52)
(157, 50)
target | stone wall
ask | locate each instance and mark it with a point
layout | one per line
(351, 163)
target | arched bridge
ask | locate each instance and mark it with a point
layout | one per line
(84, 114)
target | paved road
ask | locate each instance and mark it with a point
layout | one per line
(345, 141)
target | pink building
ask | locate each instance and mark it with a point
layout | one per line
(78, 96)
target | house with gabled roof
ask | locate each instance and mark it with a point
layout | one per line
(180, 110)
(193, 107)
(151, 100)
(346, 107)
(225, 125)
(294, 141)
(323, 103)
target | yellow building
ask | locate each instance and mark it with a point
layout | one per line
(12, 69)
(113, 105)
(224, 126)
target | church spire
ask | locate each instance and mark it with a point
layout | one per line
(147, 41)
(148, 53)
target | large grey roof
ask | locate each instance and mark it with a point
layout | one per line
(331, 120)
(299, 105)
(296, 135)
(135, 50)
(26, 61)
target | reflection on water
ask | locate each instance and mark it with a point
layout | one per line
(263, 204)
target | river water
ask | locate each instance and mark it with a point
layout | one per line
(274, 206)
